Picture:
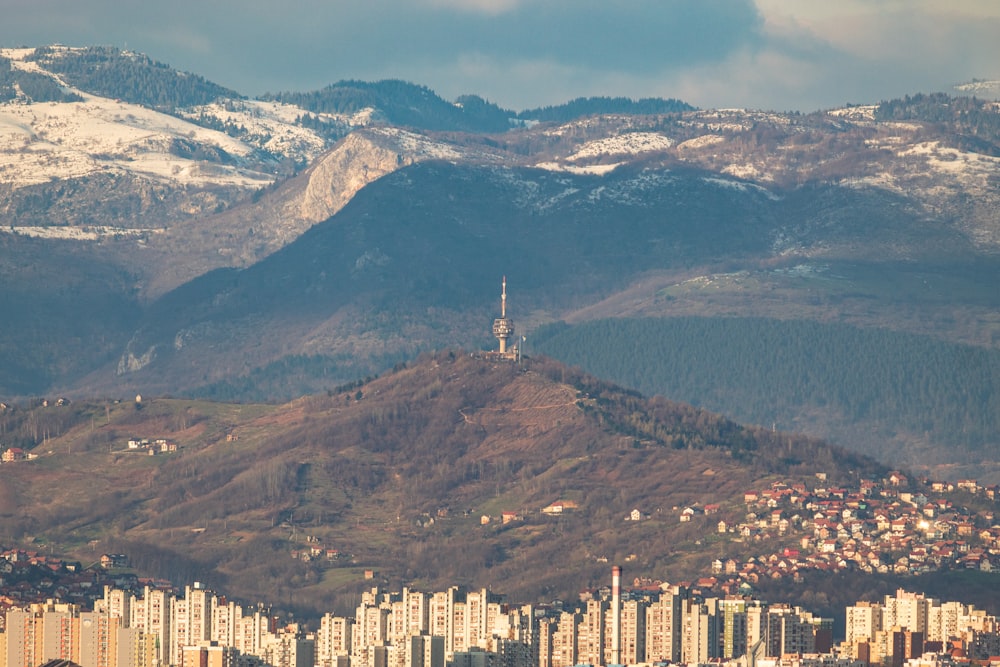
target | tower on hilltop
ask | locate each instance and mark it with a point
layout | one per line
(503, 327)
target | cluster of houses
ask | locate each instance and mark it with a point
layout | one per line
(14, 454)
(151, 447)
(159, 445)
(30, 577)
(315, 552)
(881, 526)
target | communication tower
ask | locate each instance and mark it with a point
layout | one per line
(503, 327)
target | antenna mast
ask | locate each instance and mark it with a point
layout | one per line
(503, 299)
(503, 328)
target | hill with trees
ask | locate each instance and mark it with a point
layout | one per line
(32, 85)
(395, 474)
(129, 76)
(595, 106)
(403, 103)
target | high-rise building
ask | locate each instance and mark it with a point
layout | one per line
(190, 620)
(663, 627)
(208, 654)
(613, 653)
(632, 649)
(58, 631)
(99, 637)
(333, 640)
(151, 615)
(425, 651)
(370, 629)
(906, 609)
(864, 619)
(733, 628)
(441, 617)
(565, 641)
(544, 641)
(591, 633)
(699, 631)
(905, 644)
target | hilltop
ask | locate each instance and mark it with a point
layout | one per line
(396, 475)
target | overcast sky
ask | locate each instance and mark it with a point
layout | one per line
(766, 54)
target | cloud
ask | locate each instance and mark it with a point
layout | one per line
(489, 7)
(781, 54)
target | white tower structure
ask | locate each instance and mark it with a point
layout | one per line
(503, 327)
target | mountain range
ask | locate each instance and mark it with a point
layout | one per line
(164, 235)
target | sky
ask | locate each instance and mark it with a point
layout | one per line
(780, 55)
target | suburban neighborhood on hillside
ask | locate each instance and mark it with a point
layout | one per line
(56, 609)
(880, 526)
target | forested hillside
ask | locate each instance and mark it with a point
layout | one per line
(769, 372)
(592, 106)
(972, 119)
(35, 87)
(131, 77)
(403, 103)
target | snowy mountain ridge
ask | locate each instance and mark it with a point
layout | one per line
(96, 167)
(42, 141)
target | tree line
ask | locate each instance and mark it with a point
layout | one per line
(761, 370)
(403, 103)
(131, 77)
(592, 106)
(36, 87)
(975, 121)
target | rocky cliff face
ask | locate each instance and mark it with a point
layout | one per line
(369, 154)
(337, 176)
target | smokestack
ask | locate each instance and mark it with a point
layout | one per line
(616, 618)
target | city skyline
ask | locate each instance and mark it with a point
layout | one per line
(467, 627)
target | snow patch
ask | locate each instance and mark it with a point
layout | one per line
(50, 141)
(740, 186)
(630, 143)
(859, 113)
(701, 142)
(593, 169)
(980, 88)
(970, 169)
(42, 142)
(747, 172)
(80, 233)
(269, 125)
(417, 145)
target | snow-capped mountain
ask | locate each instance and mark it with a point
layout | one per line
(54, 151)
(80, 164)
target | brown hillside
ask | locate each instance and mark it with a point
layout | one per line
(396, 476)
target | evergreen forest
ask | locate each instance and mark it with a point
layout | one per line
(32, 85)
(131, 77)
(767, 371)
(592, 106)
(976, 123)
(403, 103)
